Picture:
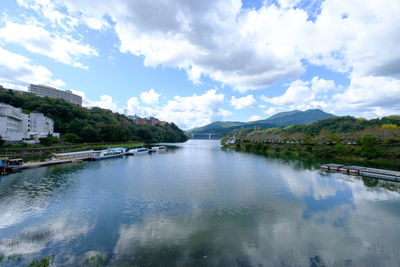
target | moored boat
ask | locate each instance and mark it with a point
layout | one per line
(138, 151)
(108, 153)
(157, 148)
(153, 149)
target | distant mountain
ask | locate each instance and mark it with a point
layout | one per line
(298, 117)
(220, 128)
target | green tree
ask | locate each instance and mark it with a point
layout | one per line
(71, 137)
(369, 146)
(91, 125)
(49, 140)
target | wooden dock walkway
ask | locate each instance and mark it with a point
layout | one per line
(364, 171)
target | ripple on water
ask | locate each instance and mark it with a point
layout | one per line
(199, 206)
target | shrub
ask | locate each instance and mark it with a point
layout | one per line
(369, 146)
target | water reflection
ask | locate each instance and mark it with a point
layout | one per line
(198, 205)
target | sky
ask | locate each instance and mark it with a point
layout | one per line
(194, 62)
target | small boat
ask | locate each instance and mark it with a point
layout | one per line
(153, 149)
(158, 148)
(108, 154)
(138, 151)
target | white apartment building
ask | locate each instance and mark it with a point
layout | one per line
(14, 125)
(39, 125)
(11, 123)
(43, 90)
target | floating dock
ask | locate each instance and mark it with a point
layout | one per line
(42, 164)
(364, 171)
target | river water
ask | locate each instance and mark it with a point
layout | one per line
(198, 205)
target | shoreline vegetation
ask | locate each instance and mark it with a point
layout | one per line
(371, 143)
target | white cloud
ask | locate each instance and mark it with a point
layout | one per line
(49, 9)
(134, 106)
(150, 97)
(193, 111)
(304, 95)
(254, 118)
(366, 96)
(370, 96)
(18, 71)
(36, 39)
(202, 38)
(243, 102)
(212, 38)
(106, 102)
(273, 110)
(253, 49)
(187, 112)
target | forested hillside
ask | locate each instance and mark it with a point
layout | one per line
(345, 125)
(340, 138)
(293, 117)
(78, 124)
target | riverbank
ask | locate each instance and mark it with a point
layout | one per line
(387, 157)
(41, 153)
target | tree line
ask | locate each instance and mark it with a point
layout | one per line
(78, 124)
(345, 138)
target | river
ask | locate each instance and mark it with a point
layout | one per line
(196, 204)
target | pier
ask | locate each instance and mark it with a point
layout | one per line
(363, 171)
(31, 165)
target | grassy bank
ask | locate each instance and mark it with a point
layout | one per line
(40, 152)
(387, 157)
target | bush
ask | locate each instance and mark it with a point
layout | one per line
(369, 146)
(49, 140)
(71, 137)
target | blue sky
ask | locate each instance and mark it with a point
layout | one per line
(195, 62)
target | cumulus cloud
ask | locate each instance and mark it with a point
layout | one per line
(251, 49)
(304, 95)
(17, 71)
(106, 101)
(36, 39)
(366, 96)
(201, 38)
(186, 111)
(150, 97)
(254, 118)
(370, 96)
(243, 102)
(212, 37)
(196, 110)
(134, 106)
(273, 110)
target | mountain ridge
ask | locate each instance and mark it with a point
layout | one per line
(286, 118)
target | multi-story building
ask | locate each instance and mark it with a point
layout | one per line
(43, 90)
(39, 125)
(15, 126)
(11, 123)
